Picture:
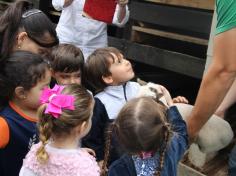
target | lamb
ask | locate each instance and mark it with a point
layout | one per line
(213, 136)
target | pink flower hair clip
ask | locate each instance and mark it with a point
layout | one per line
(56, 101)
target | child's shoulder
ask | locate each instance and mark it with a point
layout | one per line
(5, 132)
(71, 162)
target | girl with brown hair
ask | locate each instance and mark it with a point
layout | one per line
(24, 28)
(64, 118)
(153, 135)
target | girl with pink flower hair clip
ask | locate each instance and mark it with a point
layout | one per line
(64, 118)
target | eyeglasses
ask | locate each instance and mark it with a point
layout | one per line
(31, 12)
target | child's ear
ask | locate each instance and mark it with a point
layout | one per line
(81, 128)
(107, 79)
(20, 38)
(20, 92)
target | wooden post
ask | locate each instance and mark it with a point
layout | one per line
(210, 44)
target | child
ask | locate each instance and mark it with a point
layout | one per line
(24, 28)
(143, 128)
(67, 68)
(61, 129)
(22, 78)
(109, 74)
(67, 64)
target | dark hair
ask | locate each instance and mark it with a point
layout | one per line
(22, 68)
(98, 65)
(67, 58)
(20, 16)
(141, 127)
(69, 119)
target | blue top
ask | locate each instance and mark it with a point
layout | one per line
(23, 134)
(133, 165)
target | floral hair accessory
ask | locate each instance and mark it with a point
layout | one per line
(56, 101)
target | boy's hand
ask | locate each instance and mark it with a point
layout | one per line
(166, 99)
(180, 99)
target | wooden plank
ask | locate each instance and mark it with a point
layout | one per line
(191, 20)
(177, 62)
(170, 35)
(201, 4)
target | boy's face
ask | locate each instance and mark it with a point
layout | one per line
(63, 78)
(121, 70)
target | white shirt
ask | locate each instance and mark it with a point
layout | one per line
(85, 33)
(115, 97)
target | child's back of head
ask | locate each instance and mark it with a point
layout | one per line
(142, 120)
(67, 64)
(141, 129)
(76, 113)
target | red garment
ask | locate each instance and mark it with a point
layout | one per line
(101, 10)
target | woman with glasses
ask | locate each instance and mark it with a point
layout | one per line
(25, 28)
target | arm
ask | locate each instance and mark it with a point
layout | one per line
(179, 142)
(5, 133)
(216, 82)
(121, 15)
(229, 99)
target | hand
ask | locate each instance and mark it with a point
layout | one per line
(166, 99)
(122, 3)
(180, 99)
(90, 151)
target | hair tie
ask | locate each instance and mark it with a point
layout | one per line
(30, 13)
(146, 155)
(56, 101)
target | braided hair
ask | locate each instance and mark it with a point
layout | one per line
(141, 126)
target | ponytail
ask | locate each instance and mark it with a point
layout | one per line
(9, 25)
(45, 131)
(107, 148)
